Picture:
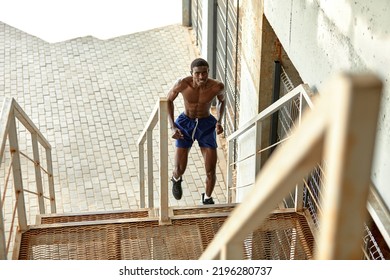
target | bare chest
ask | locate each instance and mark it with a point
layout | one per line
(192, 95)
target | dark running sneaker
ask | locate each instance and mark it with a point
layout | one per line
(208, 200)
(176, 188)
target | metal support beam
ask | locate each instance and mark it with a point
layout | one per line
(186, 13)
(163, 118)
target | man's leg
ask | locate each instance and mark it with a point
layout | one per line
(210, 163)
(181, 158)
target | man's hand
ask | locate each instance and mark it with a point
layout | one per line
(218, 128)
(176, 133)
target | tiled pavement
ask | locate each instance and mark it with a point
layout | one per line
(91, 99)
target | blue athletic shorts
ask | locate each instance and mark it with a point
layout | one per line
(202, 130)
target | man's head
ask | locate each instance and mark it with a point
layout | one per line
(200, 71)
(199, 62)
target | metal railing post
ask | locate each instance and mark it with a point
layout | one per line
(149, 151)
(258, 127)
(163, 118)
(3, 248)
(229, 174)
(38, 174)
(298, 201)
(49, 163)
(298, 198)
(141, 165)
(17, 173)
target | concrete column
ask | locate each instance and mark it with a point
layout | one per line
(208, 34)
(186, 13)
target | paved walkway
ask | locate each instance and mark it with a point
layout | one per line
(91, 99)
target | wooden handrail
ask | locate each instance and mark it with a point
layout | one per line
(337, 131)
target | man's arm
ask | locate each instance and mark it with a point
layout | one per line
(221, 104)
(172, 95)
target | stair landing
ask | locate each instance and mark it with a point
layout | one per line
(135, 235)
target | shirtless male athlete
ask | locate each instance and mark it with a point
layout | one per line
(196, 123)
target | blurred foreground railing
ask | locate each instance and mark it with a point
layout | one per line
(337, 132)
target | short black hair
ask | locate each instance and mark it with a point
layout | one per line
(199, 62)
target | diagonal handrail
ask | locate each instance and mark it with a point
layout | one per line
(12, 112)
(337, 132)
(302, 91)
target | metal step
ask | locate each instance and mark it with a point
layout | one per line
(91, 216)
(284, 235)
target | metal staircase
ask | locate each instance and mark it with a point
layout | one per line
(256, 228)
(137, 235)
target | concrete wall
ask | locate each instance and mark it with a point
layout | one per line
(324, 37)
(251, 19)
(260, 49)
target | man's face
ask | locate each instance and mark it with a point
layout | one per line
(200, 74)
